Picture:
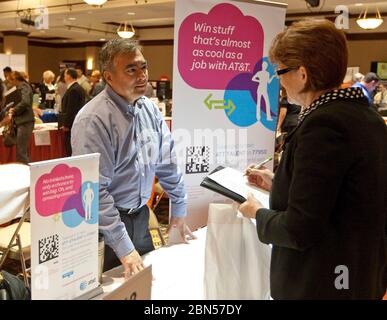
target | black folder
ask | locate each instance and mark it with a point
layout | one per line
(12, 98)
(216, 187)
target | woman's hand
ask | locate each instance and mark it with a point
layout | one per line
(261, 178)
(6, 120)
(249, 208)
(11, 112)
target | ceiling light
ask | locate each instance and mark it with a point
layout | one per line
(369, 23)
(95, 2)
(71, 18)
(125, 31)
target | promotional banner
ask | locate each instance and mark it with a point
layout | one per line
(225, 90)
(64, 200)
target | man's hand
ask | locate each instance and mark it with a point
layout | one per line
(183, 229)
(132, 263)
(250, 207)
(65, 129)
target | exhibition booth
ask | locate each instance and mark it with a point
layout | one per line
(225, 117)
(46, 143)
(59, 240)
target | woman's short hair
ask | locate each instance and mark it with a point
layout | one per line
(18, 76)
(48, 75)
(316, 45)
(357, 77)
(96, 73)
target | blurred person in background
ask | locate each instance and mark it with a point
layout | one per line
(369, 83)
(73, 100)
(148, 91)
(60, 91)
(23, 116)
(97, 83)
(161, 105)
(7, 72)
(357, 77)
(84, 83)
(380, 99)
(47, 90)
(2, 90)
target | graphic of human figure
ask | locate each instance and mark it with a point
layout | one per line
(88, 197)
(263, 79)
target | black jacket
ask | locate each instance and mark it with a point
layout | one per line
(23, 109)
(73, 100)
(329, 206)
(46, 104)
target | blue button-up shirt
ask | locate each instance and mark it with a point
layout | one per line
(135, 145)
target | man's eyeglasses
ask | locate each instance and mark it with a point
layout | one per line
(285, 70)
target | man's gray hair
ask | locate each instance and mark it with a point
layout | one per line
(113, 48)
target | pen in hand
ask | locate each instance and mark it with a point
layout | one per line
(258, 165)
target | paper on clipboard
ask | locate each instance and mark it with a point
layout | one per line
(235, 181)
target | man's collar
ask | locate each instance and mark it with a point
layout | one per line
(124, 105)
(362, 85)
(71, 83)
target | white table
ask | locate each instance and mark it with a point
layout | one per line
(14, 191)
(178, 271)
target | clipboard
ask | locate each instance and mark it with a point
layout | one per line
(216, 187)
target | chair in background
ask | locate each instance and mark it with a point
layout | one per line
(159, 194)
(15, 237)
(155, 231)
(154, 227)
(15, 243)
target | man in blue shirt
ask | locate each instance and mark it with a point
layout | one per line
(135, 144)
(368, 85)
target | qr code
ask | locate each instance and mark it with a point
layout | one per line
(48, 248)
(197, 160)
